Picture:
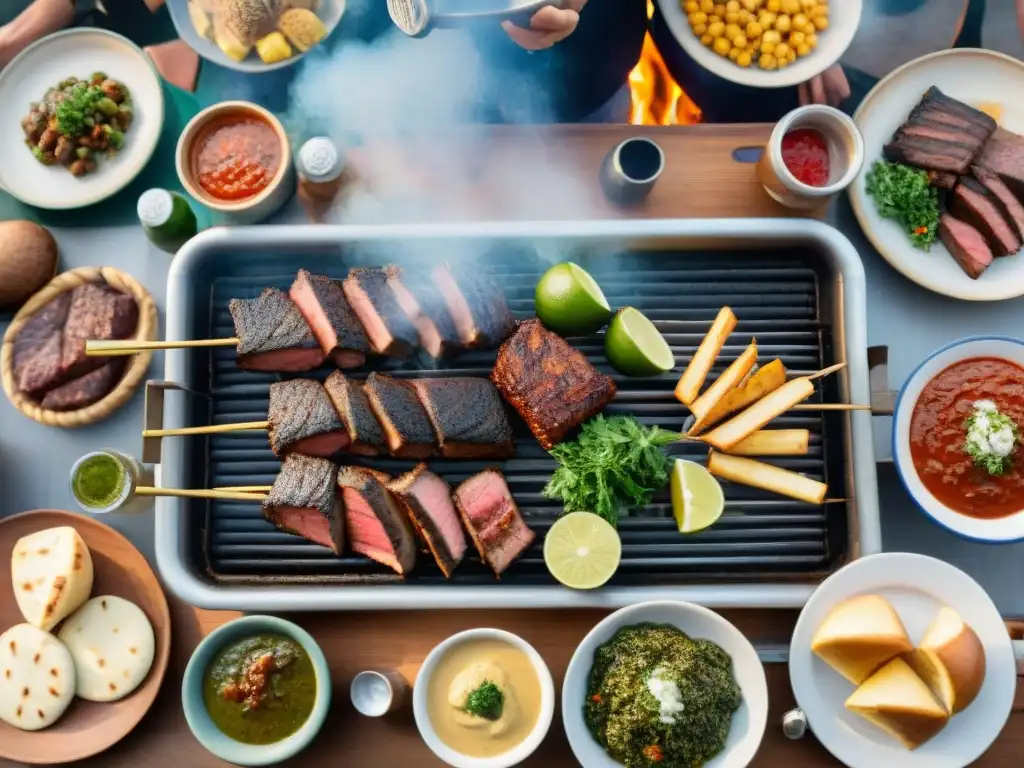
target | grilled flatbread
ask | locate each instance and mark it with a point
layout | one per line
(37, 678)
(51, 572)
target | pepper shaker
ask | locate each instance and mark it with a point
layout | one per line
(322, 176)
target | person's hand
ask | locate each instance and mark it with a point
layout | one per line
(548, 26)
(830, 87)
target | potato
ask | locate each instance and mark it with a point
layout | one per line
(28, 261)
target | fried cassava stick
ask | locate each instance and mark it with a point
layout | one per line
(774, 442)
(697, 371)
(760, 413)
(730, 379)
(768, 477)
(765, 380)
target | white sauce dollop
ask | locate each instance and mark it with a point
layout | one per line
(986, 439)
(666, 692)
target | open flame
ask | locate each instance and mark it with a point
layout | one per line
(657, 99)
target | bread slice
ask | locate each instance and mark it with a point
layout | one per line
(950, 661)
(897, 701)
(860, 635)
(51, 572)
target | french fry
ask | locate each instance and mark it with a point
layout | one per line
(697, 371)
(774, 442)
(727, 382)
(768, 477)
(726, 435)
(765, 380)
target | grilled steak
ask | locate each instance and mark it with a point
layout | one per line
(1004, 156)
(387, 326)
(303, 420)
(935, 100)
(942, 180)
(87, 389)
(972, 205)
(551, 384)
(352, 405)
(934, 116)
(965, 244)
(927, 129)
(273, 335)
(1009, 205)
(492, 519)
(468, 416)
(377, 525)
(424, 306)
(929, 154)
(96, 312)
(304, 501)
(428, 502)
(406, 427)
(37, 347)
(332, 321)
(477, 305)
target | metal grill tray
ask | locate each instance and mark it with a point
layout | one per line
(797, 286)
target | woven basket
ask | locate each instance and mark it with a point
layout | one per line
(135, 372)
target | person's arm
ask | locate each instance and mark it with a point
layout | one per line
(38, 20)
(548, 26)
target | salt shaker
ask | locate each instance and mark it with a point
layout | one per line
(321, 176)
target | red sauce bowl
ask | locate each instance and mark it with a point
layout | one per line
(237, 125)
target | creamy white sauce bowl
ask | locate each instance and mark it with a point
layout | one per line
(994, 531)
(521, 751)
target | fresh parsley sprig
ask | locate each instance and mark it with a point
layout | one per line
(902, 193)
(487, 701)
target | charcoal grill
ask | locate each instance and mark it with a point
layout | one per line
(797, 286)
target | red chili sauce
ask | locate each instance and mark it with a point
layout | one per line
(938, 434)
(805, 153)
(236, 156)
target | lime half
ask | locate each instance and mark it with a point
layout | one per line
(582, 550)
(697, 498)
(635, 347)
(570, 302)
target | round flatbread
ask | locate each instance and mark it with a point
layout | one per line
(112, 643)
(37, 678)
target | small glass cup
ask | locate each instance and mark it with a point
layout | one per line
(131, 475)
(377, 692)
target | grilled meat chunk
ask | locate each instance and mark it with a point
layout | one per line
(350, 401)
(965, 244)
(423, 305)
(492, 518)
(405, 423)
(1004, 156)
(942, 180)
(428, 501)
(304, 501)
(37, 347)
(85, 390)
(552, 386)
(96, 312)
(970, 203)
(388, 328)
(929, 154)
(273, 335)
(332, 321)
(1009, 205)
(303, 420)
(377, 525)
(477, 305)
(935, 100)
(468, 416)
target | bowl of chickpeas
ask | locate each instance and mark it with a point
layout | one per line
(763, 43)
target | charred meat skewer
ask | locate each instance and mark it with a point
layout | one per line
(332, 321)
(388, 328)
(406, 426)
(273, 335)
(428, 502)
(350, 401)
(493, 520)
(304, 501)
(477, 305)
(377, 526)
(425, 307)
(303, 420)
(468, 416)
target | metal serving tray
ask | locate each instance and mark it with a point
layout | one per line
(797, 285)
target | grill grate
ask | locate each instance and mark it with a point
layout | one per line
(776, 298)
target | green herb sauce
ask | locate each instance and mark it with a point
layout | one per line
(278, 706)
(626, 718)
(99, 481)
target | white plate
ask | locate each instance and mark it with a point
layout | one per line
(748, 722)
(917, 586)
(972, 76)
(78, 53)
(832, 43)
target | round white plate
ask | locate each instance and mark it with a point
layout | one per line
(972, 76)
(832, 43)
(917, 586)
(78, 53)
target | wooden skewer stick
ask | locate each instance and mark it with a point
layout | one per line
(245, 488)
(212, 429)
(827, 371)
(200, 493)
(120, 347)
(830, 407)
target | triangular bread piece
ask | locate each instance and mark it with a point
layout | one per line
(860, 635)
(51, 572)
(897, 701)
(950, 661)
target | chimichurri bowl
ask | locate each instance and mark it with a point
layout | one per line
(255, 638)
(747, 725)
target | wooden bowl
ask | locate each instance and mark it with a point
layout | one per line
(134, 373)
(88, 728)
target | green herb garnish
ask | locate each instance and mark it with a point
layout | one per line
(903, 194)
(982, 428)
(487, 701)
(76, 107)
(614, 463)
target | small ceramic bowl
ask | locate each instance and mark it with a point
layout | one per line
(251, 210)
(1000, 530)
(210, 736)
(517, 754)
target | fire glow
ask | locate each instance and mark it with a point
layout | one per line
(657, 98)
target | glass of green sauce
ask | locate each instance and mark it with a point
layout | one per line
(104, 481)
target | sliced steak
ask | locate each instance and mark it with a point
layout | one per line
(492, 518)
(350, 401)
(273, 335)
(377, 525)
(428, 501)
(96, 312)
(936, 117)
(303, 420)
(87, 389)
(407, 428)
(980, 211)
(38, 346)
(929, 154)
(1004, 156)
(304, 501)
(332, 321)
(1010, 206)
(965, 244)
(468, 416)
(942, 180)
(388, 328)
(477, 305)
(929, 130)
(423, 305)
(934, 99)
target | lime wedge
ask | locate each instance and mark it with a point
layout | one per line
(569, 301)
(635, 347)
(582, 550)
(697, 498)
